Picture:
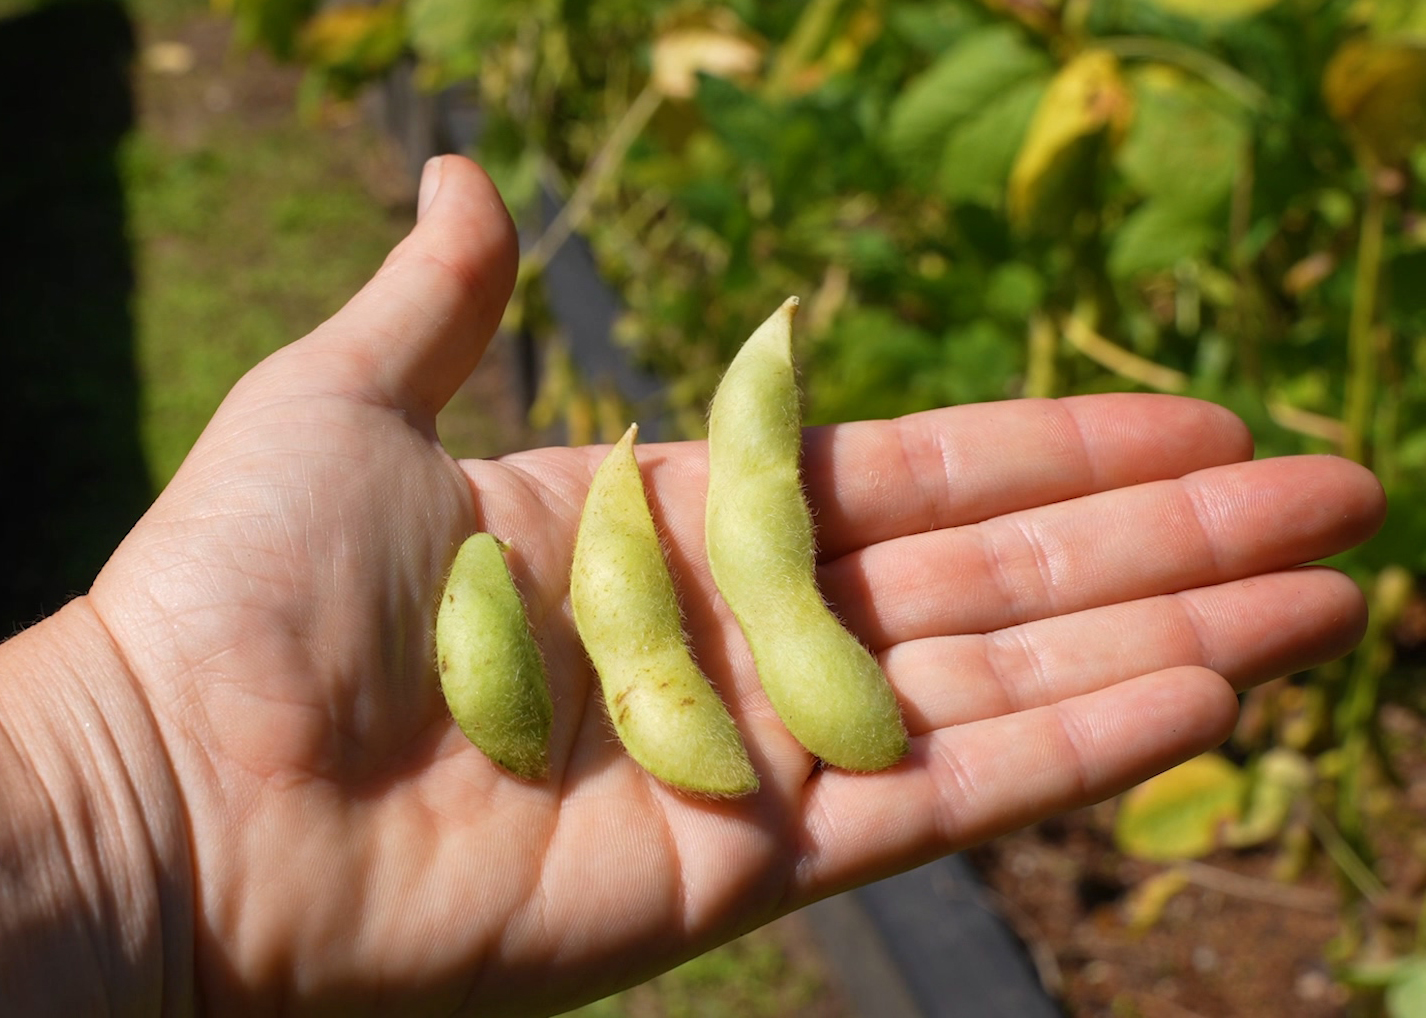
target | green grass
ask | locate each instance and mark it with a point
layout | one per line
(243, 243)
(752, 977)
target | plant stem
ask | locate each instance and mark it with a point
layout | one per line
(801, 47)
(1351, 865)
(1040, 362)
(1223, 77)
(1361, 338)
(572, 216)
(1124, 363)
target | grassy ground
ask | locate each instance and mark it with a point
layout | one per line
(248, 229)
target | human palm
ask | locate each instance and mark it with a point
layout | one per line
(1057, 590)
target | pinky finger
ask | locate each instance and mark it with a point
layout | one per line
(965, 784)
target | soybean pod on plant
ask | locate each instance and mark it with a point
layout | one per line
(626, 610)
(825, 686)
(490, 668)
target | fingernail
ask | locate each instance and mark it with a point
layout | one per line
(430, 184)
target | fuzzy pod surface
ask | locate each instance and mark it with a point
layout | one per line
(491, 672)
(666, 714)
(825, 686)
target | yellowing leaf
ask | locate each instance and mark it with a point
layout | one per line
(1215, 10)
(1377, 90)
(682, 54)
(1181, 813)
(354, 38)
(1278, 780)
(1146, 902)
(1085, 102)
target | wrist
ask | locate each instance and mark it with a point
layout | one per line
(96, 888)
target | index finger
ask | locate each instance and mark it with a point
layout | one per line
(872, 481)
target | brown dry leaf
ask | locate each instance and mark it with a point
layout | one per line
(1085, 101)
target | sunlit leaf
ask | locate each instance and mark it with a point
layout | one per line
(1395, 19)
(681, 55)
(456, 33)
(981, 150)
(1377, 90)
(1156, 237)
(978, 70)
(1181, 813)
(1085, 102)
(1186, 142)
(359, 40)
(1406, 994)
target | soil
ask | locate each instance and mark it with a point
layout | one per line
(1068, 893)
(1240, 939)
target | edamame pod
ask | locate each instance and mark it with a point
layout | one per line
(490, 668)
(825, 686)
(664, 711)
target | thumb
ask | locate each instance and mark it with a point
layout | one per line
(413, 334)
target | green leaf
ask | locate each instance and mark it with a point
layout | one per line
(977, 71)
(1181, 813)
(454, 33)
(1155, 238)
(978, 363)
(871, 364)
(753, 130)
(271, 23)
(1406, 996)
(1186, 142)
(1015, 290)
(981, 150)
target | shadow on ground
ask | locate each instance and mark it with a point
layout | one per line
(74, 474)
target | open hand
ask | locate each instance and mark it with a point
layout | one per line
(1064, 594)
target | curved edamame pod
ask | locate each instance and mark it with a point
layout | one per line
(825, 686)
(665, 712)
(491, 672)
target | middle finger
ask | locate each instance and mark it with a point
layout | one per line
(1209, 527)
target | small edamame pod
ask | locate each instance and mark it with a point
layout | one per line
(490, 668)
(665, 712)
(826, 687)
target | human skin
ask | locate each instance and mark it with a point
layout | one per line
(230, 784)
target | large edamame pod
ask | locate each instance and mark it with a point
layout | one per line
(490, 668)
(825, 686)
(665, 712)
